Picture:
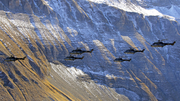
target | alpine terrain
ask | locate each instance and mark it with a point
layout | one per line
(89, 50)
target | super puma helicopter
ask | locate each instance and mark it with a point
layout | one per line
(161, 44)
(121, 60)
(12, 58)
(79, 51)
(73, 58)
(132, 51)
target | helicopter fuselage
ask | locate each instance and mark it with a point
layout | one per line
(132, 51)
(69, 59)
(73, 58)
(10, 59)
(78, 51)
(14, 58)
(121, 60)
(157, 45)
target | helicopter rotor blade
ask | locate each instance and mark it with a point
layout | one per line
(122, 56)
(134, 47)
(79, 47)
(163, 39)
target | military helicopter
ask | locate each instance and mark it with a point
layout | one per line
(12, 58)
(79, 51)
(121, 60)
(73, 58)
(132, 51)
(161, 44)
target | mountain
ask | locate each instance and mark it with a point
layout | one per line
(47, 30)
(166, 7)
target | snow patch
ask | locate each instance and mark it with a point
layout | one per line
(72, 32)
(173, 11)
(130, 7)
(45, 2)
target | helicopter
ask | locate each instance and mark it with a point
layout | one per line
(79, 51)
(161, 44)
(12, 58)
(132, 51)
(121, 60)
(73, 58)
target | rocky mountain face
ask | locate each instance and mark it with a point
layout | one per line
(47, 30)
(159, 3)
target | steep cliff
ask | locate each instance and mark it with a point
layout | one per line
(47, 30)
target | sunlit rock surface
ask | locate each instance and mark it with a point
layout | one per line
(47, 30)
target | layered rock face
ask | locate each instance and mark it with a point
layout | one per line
(47, 30)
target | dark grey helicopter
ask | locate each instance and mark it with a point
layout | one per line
(161, 44)
(79, 51)
(73, 58)
(132, 51)
(121, 60)
(12, 58)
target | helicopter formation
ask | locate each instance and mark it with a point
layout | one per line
(133, 51)
(78, 51)
(128, 51)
